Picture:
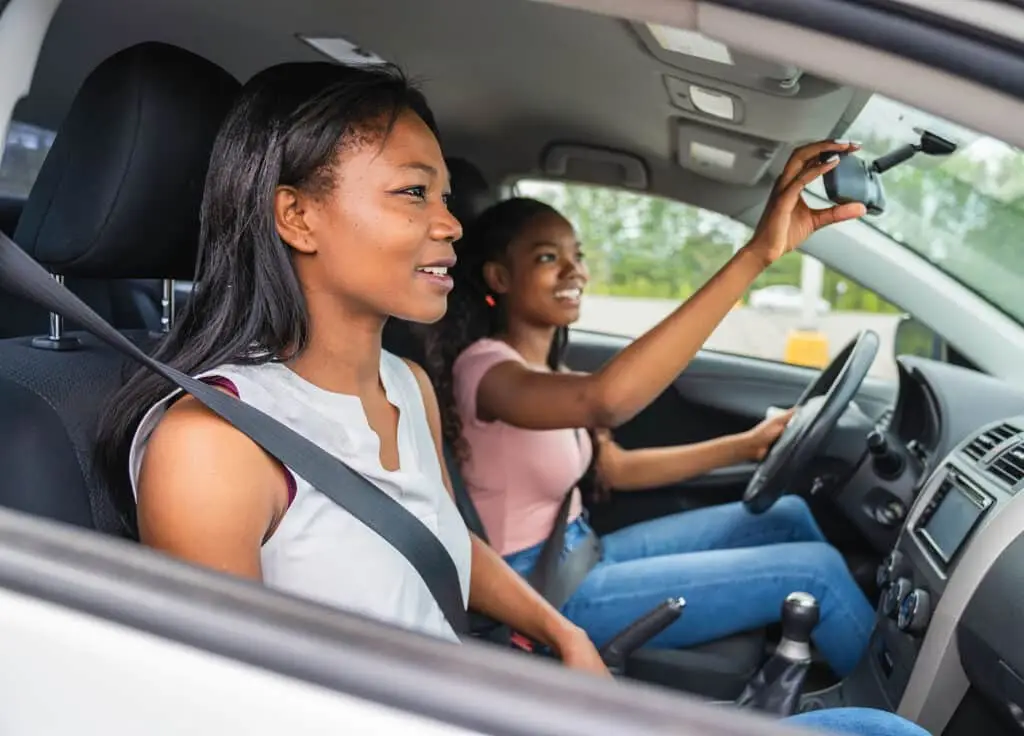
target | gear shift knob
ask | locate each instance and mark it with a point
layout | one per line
(777, 686)
(800, 614)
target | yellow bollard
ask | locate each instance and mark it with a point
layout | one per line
(806, 347)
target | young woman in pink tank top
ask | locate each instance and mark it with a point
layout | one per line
(512, 412)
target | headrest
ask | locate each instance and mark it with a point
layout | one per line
(471, 193)
(119, 193)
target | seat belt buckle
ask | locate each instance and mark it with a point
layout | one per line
(521, 642)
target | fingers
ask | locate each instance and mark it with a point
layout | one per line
(783, 419)
(839, 213)
(791, 193)
(824, 217)
(810, 154)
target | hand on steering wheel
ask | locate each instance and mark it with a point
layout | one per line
(816, 414)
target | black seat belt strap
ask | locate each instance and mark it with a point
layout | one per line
(557, 579)
(347, 488)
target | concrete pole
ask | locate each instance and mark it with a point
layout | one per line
(812, 280)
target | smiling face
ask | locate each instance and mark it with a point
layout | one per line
(380, 240)
(543, 275)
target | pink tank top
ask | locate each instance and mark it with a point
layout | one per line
(516, 477)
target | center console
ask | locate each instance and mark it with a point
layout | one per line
(964, 516)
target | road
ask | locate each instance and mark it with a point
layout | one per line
(744, 331)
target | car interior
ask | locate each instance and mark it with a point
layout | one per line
(916, 480)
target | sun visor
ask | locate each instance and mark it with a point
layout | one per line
(694, 52)
(723, 155)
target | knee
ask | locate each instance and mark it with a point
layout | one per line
(793, 511)
(819, 565)
(830, 559)
(828, 566)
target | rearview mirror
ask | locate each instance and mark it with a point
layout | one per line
(914, 338)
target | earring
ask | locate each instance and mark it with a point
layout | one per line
(490, 300)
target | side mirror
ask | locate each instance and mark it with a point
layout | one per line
(914, 338)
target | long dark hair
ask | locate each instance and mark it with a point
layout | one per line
(285, 129)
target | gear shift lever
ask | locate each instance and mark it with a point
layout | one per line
(778, 686)
(800, 614)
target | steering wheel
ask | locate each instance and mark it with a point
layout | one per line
(817, 412)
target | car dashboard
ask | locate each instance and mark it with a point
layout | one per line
(953, 583)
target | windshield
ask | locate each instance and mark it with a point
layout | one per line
(964, 212)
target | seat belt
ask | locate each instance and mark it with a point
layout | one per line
(553, 577)
(20, 274)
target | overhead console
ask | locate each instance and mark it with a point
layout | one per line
(736, 114)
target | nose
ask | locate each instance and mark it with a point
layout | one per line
(446, 226)
(573, 267)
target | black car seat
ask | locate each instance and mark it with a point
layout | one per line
(117, 197)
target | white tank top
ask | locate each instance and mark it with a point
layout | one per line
(319, 550)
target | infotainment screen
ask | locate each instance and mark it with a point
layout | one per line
(957, 513)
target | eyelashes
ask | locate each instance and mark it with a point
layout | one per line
(420, 193)
(550, 257)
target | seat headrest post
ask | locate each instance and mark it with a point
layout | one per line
(57, 340)
(167, 306)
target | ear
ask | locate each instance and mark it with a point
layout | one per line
(497, 277)
(291, 218)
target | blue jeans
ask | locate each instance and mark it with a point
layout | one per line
(866, 721)
(716, 559)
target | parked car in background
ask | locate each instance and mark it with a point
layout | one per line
(784, 298)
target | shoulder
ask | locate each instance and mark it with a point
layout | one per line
(178, 435)
(488, 349)
(196, 460)
(188, 434)
(476, 360)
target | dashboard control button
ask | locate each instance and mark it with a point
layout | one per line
(888, 462)
(890, 568)
(895, 595)
(915, 612)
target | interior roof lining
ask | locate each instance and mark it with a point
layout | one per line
(498, 103)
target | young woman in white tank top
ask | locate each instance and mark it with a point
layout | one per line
(324, 214)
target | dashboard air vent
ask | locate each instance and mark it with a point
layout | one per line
(885, 420)
(985, 442)
(1008, 466)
